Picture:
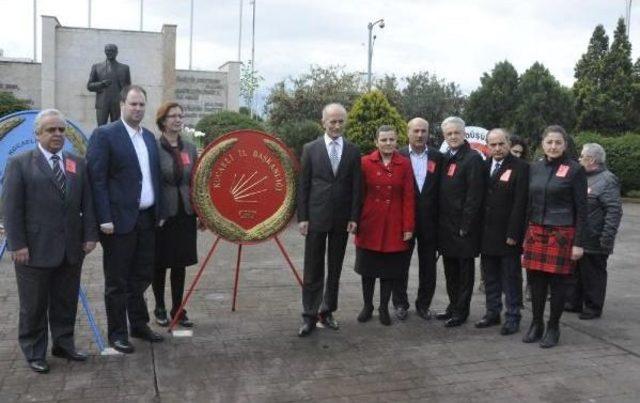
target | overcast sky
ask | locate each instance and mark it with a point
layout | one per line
(456, 39)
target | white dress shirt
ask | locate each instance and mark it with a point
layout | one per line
(48, 156)
(419, 163)
(146, 196)
(327, 142)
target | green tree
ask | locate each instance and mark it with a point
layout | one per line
(388, 85)
(543, 102)
(297, 134)
(297, 99)
(430, 97)
(591, 99)
(618, 77)
(494, 103)
(9, 103)
(369, 112)
(217, 124)
(249, 83)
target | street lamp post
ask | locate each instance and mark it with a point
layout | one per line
(370, 26)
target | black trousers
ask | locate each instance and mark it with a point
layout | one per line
(540, 283)
(48, 299)
(426, 277)
(318, 297)
(177, 277)
(128, 270)
(590, 285)
(503, 275)
(460, 275)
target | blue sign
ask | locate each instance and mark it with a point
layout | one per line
(17, 135)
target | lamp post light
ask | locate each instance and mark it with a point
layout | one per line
(370, 26)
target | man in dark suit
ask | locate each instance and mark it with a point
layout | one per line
(50, 226)
(107, 79)
(503, 225)
(329, 197)
(459, 209)
(125, 177)
(426, 163)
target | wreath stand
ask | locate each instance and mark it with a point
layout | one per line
(192, 287)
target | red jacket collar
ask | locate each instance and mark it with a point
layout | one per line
(375, 157)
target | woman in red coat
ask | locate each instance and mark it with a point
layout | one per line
(386, 221)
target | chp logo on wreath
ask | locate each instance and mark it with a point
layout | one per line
(244, 186)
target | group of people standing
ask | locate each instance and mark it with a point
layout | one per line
(556, 217)
(132, 194)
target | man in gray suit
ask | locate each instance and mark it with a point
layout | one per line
(50, 226)
(329, 197)
(107, 79)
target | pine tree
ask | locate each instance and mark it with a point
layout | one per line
(590, 100)
(369, 112)
(494, 103)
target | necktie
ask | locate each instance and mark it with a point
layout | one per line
(333, 156)
(57, 172)
(496, 167)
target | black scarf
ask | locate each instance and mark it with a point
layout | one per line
(175, 152)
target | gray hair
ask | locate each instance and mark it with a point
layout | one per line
(595, 151)
(416, 121)
(325, 110)
(453, 120)
(505, 132)
(43, 114)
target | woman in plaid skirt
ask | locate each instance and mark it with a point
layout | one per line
(553, 243)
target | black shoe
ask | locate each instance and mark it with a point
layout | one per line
(587, 315)
(569, 307)
(184, 319)
(446, 315)
(306, 329)
(424, 313)
(147, 334)
(366, 314)
(327, 321)
(453, 322)
(550, 338)
(71, 355)
(161, 317)
(534, 333)
(122, 346)
(383, 315)
(401, 313)
(39, 366)
(509, 327)
(488, 321)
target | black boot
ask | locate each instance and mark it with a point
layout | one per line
(534, 333)
(383, 313)
(551, 336)
(365, 314)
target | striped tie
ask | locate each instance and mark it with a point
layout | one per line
(57, 172)
(333, 156)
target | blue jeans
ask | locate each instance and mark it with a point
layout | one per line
(503, 275)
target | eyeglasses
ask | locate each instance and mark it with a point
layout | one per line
(60, 129)
(175, 115)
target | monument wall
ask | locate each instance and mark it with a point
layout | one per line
(22, 79)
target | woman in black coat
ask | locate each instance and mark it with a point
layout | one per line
(176, 238)
(557, 211)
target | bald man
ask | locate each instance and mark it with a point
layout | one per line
(503, 225)
(425, 162)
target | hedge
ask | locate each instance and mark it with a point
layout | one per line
(217, 124)
(623, 156)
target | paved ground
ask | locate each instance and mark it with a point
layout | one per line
(254, 355)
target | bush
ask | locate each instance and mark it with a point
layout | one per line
(369, 112)
(296, 134)
(9, 103)
(223, 122)
(623, 156)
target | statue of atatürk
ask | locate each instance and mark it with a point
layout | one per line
(107, 79)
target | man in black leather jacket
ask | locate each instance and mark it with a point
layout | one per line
(604, 215)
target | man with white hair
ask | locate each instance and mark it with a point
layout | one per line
(603, 219)
(50, 226)
(460, 202)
